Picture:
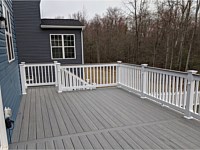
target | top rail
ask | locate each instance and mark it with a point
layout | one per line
(128, 64)
(197, 77)
(38, 64)
(87, 65)
(167, 72)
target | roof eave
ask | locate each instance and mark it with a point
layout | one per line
(61, 27)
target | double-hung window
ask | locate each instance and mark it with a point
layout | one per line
(63, 46)
(8, 34)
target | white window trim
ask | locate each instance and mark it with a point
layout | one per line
(63, 50)
(7, 33)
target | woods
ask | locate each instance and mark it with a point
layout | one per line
(162, 34)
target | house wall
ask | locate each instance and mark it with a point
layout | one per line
(33, 42)
(9, 72)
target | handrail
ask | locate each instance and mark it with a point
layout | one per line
(128, 64)
(167, 72)
(87, 65)
(37, 64)
(197, 77)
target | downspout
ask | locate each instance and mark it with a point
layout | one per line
(82, 46)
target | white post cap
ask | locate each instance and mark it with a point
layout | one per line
(145, 65)
(192, 71)
(119, 62)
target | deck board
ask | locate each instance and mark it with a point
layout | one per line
(99, 112)
(39, 117)
(128, 139)
(68, 143)
(104, 143)
(54, 124)
(77, 114)
(25, 121)
(76, 143)
(59, 144)
(111, 140)
(99, 101)
(85, 142)
(84, 114)
(107, 118)
(72, 117)
(94, 142)
(120, 140)
(90, 114)
(66, 119)
(46, 121)
(40, 145)
(32, 119)
(18, 124)
(58, 117)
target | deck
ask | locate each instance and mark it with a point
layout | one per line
(107, 118)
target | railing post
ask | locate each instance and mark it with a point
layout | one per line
(56, 73)
(190, 94)
(59, 77)
(3, 134)
(118, 72)
(23, 77)
(143, 80)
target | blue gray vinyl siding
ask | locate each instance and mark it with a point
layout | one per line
(33, 43)
(9, 72)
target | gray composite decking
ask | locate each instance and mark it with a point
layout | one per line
(107, 118)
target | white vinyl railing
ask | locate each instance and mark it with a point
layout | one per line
(130, 76)
(196, 99)
(3, 133)
(167, 86)
(178, 90)
(37, 75)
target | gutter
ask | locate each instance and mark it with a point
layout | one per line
(61, 27)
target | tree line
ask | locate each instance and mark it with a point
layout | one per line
(163, 33)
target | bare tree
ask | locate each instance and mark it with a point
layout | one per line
(193, 33)
(166, 36)
(186, 12)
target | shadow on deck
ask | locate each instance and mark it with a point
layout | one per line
(108, 118)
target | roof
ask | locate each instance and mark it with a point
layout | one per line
(61, 23)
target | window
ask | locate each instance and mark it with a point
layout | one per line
(8, 34)
(63, 46)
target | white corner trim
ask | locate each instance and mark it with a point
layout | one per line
(62, 27)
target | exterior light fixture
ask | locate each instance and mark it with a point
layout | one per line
(2, 22)
(2, 18)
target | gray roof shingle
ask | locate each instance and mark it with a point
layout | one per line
(61, 22)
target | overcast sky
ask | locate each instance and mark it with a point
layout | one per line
(55, 8)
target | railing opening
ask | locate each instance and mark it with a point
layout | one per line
(96, 75)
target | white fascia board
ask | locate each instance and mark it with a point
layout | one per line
(61, 27)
